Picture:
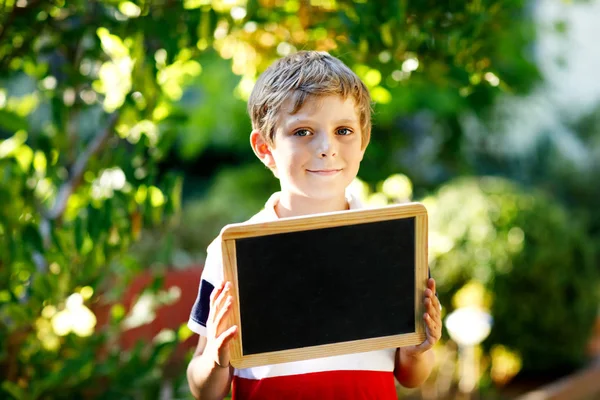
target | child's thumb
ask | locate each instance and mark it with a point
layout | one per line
(226, 336)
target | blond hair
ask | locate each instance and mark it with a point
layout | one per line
(298, 77)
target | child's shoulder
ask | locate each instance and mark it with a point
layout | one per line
(266, 214)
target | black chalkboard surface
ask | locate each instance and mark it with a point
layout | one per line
(326, 284)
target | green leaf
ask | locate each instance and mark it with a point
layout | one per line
(95, 217)
(175, 187)
(107, 211)
(18, 314)
(79, 233)
(12, 122)
(157, 284)
(56, 239)
(13, 249)
(14, 390)
(32, 236)
(43, 285)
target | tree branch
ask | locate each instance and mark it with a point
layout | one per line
(69, 187)
(79, 167)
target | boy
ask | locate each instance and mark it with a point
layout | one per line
(311, 120)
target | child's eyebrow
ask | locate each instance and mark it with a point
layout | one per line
(301, 121)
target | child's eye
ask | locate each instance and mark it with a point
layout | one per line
(344, 131)
(302, 132)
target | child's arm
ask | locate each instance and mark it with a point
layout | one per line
(206, 379)
(414, 363)
(412, 370)
(209, 373)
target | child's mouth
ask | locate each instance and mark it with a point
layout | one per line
(324, 172)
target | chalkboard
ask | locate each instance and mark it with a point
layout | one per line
(326, 284)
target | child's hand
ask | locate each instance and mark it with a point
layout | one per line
(433, 322)
(218, 334)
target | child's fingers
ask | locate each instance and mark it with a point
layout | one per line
(432, 316)
(226, 336)
(219, 318)
(431, 285)
(430, 291)
(216, 299)
(213, 295)
(211, 308)
(218, 303)
(434, 327)
(432, 307)
(432, 298)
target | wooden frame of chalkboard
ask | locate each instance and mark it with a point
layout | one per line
(326, 284)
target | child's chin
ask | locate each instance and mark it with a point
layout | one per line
(327, 193)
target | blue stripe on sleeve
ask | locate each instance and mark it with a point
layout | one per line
(202, 305)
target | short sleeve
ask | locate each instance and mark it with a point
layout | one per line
(212, 276)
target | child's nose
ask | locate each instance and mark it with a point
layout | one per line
(326, 146)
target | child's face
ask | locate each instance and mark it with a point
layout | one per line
(317, 151)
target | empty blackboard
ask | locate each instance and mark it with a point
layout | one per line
(327, 284)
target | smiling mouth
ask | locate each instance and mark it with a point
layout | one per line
(324, 172)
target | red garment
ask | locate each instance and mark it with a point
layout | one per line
(328, 385)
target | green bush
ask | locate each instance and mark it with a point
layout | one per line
(234, 196)
(60, 260)
(533, 257)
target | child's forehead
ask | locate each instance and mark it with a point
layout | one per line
(312, 104)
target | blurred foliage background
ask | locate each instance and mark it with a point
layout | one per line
(124, 150)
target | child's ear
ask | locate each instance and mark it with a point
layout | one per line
(262, 149)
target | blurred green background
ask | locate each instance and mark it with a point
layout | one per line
(124, 150)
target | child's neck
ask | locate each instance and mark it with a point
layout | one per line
(293, 205)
